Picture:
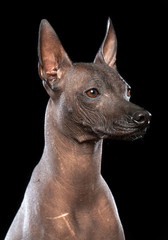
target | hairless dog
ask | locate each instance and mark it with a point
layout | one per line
(67, 198)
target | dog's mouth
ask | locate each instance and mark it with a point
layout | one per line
(122, 130)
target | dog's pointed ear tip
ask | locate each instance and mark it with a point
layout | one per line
(109, 23)
(44, 21)
(109, 20)
(44, 24)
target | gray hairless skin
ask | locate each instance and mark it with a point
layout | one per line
(67, 198)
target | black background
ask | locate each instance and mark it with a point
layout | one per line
(135, 171)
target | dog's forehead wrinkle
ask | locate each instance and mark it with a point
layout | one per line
(95, 73)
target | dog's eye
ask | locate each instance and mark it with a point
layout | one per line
(92, 93)
(129, 92)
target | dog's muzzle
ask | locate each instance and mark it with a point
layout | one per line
(133, 126)
(130, 127)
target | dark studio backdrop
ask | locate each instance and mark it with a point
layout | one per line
(136, 172)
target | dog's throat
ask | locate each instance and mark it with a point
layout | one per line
(72, 163)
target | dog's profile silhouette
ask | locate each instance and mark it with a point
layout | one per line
(67, 198)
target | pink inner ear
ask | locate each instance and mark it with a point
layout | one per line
(110, 47)
(108, 50)
(53, 72)
(52, 55)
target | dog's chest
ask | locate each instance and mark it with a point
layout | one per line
(82, 225)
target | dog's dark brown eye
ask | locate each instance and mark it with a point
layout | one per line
(92, 93)
(129, 92)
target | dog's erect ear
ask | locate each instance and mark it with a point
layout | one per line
(108, 50)
(53, 60)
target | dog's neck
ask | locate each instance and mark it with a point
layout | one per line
(73, 164)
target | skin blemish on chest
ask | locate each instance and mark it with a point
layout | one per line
(60, 216)
(63, 216)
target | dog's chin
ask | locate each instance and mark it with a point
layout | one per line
(130, 134)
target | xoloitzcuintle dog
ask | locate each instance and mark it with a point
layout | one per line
(67, 198)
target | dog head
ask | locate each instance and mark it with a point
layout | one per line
(91, 100)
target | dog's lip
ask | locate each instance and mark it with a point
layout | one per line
(122, 132)
(129, 128)
(136, 133)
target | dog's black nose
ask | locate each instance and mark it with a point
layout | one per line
(141, 117)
